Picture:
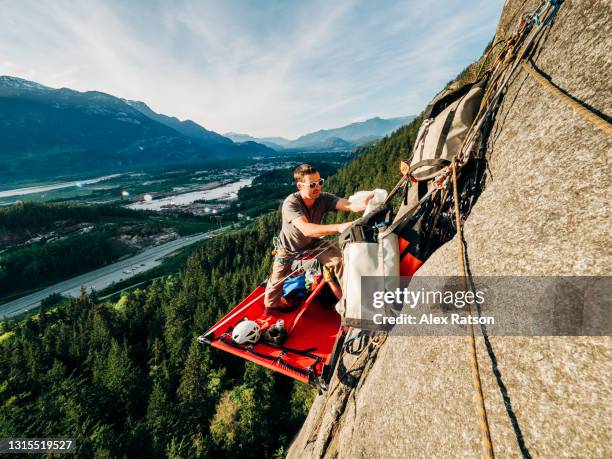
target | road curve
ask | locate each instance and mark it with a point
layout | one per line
(102, 277)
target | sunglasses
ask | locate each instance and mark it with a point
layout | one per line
(312, 185)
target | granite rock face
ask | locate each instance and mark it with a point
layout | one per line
(545, 211)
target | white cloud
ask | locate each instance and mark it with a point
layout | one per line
(274, 68)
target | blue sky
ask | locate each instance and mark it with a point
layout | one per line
(264, 68)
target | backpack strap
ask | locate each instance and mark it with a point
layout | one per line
(420, 140)
(407, 214)
(428, 162)
(444, 134)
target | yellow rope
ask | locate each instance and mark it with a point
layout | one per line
(581, 109)
(487, 444)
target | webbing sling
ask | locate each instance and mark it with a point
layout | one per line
(444, 134)
(407, 214)
(309, 371)
(429, 162)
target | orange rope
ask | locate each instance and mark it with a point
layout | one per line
(487, 444)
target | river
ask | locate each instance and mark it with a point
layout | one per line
(224, 192)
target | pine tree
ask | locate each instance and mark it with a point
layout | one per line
(159, 417)
(120, 378)
(199, 390)
(240, 426)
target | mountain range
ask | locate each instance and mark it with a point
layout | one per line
(341, 138)
(58, 133)
(46, 132)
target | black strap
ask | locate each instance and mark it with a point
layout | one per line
(428, 162)
(444, 134)
(406, 251)
(284, 350)
(396, 222)
(395, 189)
(421, 139)
(422, 190)
(431, 162)
(304, 352)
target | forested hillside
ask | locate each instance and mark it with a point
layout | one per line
(377, 166)
(129, 377)
(44, 243)
(25, 219)
(36, 265)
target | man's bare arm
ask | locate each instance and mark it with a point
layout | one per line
(314, 230)
(348, 206)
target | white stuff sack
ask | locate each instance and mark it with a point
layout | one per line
(359, 198)
(380, 259)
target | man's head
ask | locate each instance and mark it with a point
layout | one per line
(308, 181)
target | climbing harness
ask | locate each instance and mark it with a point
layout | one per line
(321, 249)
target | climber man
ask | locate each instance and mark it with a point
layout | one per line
(302, 213)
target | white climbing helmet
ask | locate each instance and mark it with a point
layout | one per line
(245, 332)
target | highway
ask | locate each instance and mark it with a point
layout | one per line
(102, 277)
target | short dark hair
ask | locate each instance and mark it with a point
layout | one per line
(302, 170)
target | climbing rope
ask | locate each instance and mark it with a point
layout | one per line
(487, 444)
(581, 109)
(510, 57)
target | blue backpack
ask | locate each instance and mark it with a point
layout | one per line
(295, 287)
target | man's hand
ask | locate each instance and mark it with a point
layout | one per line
(343, 226)
(348, 206)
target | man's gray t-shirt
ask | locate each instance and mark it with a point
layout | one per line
(292, 238)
